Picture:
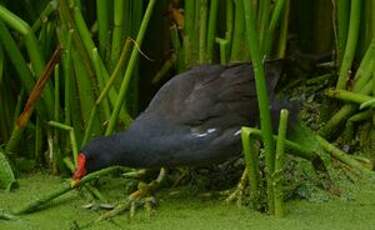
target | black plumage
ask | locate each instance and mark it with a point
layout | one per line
(194, 119)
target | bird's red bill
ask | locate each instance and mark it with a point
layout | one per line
(81, 167)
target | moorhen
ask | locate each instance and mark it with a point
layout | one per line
(194, 119)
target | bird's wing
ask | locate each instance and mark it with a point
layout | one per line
(210, 96)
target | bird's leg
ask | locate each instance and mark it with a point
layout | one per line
(130, 203)
(98, 200)
(239, 191)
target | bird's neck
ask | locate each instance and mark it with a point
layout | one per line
(125, 149)
(133, 148)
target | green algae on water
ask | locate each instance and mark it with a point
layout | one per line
(187, 211)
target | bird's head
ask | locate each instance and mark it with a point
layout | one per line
(94, 156)
(81, 169)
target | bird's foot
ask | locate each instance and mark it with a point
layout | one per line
(142, 196)
(239, 192)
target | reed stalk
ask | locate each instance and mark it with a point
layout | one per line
(343, 113)
(118, 29)
(130, 68)
(202, 31)
(262, 20)
(229, 25)
(30, 40)
(16, 58)
(349, 126)
(252, 166)
(121, 62)
(342, 22)
(279, 164)
(7, 178)
(238, 51)
(366, 68)
(275, 20)
(102, 11)
(211, 32)
(263, 102)
(90, 46)
(283, 38)
(349, 96)
(48, 10)
(223, 44)
(35, 94)
(72, 137)
(292, 147)
(361, 79)
(167, 66)
(342, 156)
(351, 44)
(38, 203)
(57, 158)
(67, 62)
(189, 23)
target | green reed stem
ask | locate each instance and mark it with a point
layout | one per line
(50, 8)
(99, 73)
(57, 159)
(104, 92)
(283, 38)
(263, 23)
(202, 31)
(342, 156)
(57, 94)
(275, 20)
(16, 58)
(98, 61)
(177, 57)
(339, 117)
(2, 59)
(38, 203)
(102, 11)
(349, 126)
(238, 41)
(130, 68)
(279, 164)
(229, 24)
(366, 67)
(355, 15)
(116, 72)
(223, 45)
(262, 96)
(85, 93)
(38, 140)
(189, 31)
(214, 4)
(252, 165)
(72, 137)
(167, 66)
(292, 147)
(348, 96)
(118, 29)
(361, 86)
(121, 62)
(369, 103)
(342, 22)
(30, 40)
(67, 62)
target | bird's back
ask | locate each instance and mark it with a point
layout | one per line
(195, 117)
